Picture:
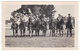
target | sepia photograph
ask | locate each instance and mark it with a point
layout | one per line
(40, 25)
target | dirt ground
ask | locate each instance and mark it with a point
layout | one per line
(38, 41)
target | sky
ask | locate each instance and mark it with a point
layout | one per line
(61, 9)
(64, 10)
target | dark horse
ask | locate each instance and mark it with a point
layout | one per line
(14, 26)
(60, 26)
(33, 26)
(37, 28)
(30, 26)
(44, 27)
(52, 26)
(69, 26)
(22, 28)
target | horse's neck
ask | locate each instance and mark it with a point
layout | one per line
(14, 25)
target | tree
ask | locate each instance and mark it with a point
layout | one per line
(48, 10)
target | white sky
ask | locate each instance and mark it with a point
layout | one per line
(64, 10)
(61, 9)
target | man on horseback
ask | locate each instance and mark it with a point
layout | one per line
(44, 24)
(22, 25)
(60, 23)
(52, 26)
(37, 25)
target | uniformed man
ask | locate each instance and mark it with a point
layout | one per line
(69, 26)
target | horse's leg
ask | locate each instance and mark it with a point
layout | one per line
(53, 32)
(38, 32)
(62, 32)
(45, 32)
(24, 32)
(50, 32)
(70, 32)
(17, 32)
(21, 32)
(59, 32)
(13, 32)
(56, 32)
(67, 32)
(30, 32)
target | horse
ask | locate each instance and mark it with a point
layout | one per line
(35, 26)
(60, 26)
(44, 28)
(52, 25)
(14, 26)
(30, 27)
(22, 28)
(69, 27)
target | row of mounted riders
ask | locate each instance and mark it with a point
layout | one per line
(42, 25)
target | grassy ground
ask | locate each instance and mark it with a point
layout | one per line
(40, 41)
